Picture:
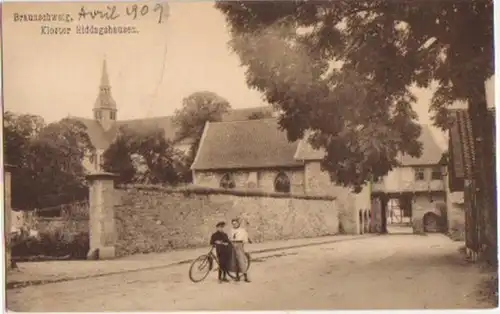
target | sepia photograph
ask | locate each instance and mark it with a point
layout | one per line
(249, 155)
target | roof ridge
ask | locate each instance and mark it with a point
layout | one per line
(242, 121)
(173, 115)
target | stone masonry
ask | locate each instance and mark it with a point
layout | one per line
(102, 217)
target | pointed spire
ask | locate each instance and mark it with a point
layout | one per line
(104, 98)
(104, 74)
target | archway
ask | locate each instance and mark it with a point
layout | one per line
(282, 183)
(227, 181)
(361, 222)
(370, 223)
(366, 222)
(432, 222)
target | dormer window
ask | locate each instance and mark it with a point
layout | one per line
(98, 115)
(112, 115)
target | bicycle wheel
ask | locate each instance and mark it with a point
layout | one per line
(200, 268)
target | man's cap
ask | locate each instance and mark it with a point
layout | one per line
(235, 220)
(220, 224)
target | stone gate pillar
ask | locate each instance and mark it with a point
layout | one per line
(7, 214)
(101, 216)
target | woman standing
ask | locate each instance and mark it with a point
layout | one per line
(239, 237)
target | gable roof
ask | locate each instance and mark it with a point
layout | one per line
(102, 139)
(244, 145)
(99, 138)
(305, 151)
(431, 153)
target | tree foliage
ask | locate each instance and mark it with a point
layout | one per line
(144, 156)
(344, 70)
(47, 159)
(197, 109)
(259, 115)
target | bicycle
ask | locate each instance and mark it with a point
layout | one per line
(206, 264)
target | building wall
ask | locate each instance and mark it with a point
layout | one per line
(318, 182)
(402, 179)
(455, 213)
(94, 164)
(262, 179)
(157, 220)
(310, 180)
(423, 204)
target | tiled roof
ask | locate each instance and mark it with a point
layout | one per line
(305, 151)
(143, 125)
(244, 145)
(461, 146)
(431, 154)
(102, 139)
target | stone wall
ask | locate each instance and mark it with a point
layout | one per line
(156, 219)
(262, 179)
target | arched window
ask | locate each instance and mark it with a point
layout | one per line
(227, 182)
(282, 183)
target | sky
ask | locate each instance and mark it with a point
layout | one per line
(150, 72)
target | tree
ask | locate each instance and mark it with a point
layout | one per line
(259, 115)
(48, 160)
(344, 70)
(19, 130)
(197, 109)
(118, 158)
(145, 156)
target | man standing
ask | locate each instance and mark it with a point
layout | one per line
(221, 241)
(239, 237)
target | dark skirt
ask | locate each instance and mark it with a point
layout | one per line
(224, 255)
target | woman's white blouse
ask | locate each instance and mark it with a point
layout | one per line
(239, 234)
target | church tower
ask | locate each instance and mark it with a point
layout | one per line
(105, 105)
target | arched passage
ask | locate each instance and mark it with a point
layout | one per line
(366, 222)
(432, 222)
(227, 181)
(361, 222)
(370, 224)
(282, 183)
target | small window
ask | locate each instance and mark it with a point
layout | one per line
(437, 174)
(227, 182)
(419, 174)
(112, 115)
(282, 183)
(98, 115)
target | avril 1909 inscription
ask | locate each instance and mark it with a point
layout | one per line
(116, 21)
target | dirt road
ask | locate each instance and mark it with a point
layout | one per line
(384, 272)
